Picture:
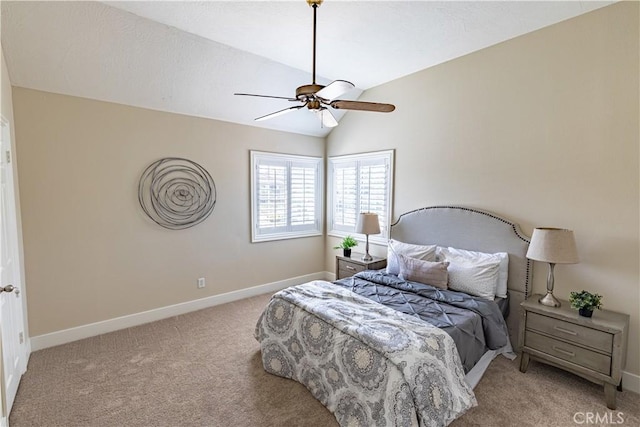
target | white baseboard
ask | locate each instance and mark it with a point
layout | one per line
(630, 382)
(85, 331)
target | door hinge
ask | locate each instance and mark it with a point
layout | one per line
(8, 156)
(21, 337)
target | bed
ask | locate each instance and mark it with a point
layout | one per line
(374, 361)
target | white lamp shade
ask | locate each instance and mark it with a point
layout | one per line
(368, 223)
(554, 245)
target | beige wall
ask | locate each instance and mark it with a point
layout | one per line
(90, 252)
(542, 129)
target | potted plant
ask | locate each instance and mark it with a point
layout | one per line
(346, 245)
(585, 302)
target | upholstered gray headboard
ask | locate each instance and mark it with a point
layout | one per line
(475, 230)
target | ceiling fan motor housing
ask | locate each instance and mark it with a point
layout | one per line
(307, 92)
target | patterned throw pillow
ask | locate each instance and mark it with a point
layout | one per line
(474, 279)
(427, 272)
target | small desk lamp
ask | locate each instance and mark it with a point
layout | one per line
(367, 224)
(555, 246)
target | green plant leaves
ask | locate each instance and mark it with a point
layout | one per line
(585, 299)
(347, 243)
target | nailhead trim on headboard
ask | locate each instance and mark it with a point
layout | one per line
(514, 227)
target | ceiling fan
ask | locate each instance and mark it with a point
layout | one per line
(318, 97)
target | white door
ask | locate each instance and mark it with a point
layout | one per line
(13, 350)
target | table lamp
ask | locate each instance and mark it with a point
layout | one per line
(367, 224)
(555, 246)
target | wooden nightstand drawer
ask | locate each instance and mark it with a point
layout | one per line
(572, 353)
(347, 267)
(571, 332)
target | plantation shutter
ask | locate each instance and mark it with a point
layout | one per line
(359, 183)
(272, 195)
(286, 196)
(373, 189)
(303, 201)
(345, 188)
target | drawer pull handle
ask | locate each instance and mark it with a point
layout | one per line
(348, 267)
(566, 331)
(568, 353)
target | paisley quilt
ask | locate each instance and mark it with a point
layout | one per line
(370, 365)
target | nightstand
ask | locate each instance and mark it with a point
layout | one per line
(346, 266)
(593, 347)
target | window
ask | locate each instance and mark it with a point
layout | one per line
(360, 183)
(286, 196)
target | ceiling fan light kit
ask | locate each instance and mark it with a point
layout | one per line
(318, 98)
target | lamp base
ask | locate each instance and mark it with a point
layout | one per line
(366, 256)
(549, 300)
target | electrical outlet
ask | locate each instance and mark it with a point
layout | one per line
(201, 282)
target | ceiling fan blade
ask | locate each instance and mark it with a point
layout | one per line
(326, 118)
(279, 113)
(335, 89)
(267, 96)
(362, 106)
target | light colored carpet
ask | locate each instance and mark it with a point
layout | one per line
(204, 369)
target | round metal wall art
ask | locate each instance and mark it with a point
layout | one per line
(176, 193)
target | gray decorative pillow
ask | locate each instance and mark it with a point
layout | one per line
(427, 272)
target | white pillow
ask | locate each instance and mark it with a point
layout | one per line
(454, 254)
(474, 279)
(423, 252)
(427, 272)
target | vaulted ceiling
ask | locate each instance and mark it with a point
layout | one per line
(190, 57)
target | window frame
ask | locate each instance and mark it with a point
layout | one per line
(288, 231)
(385, 156)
